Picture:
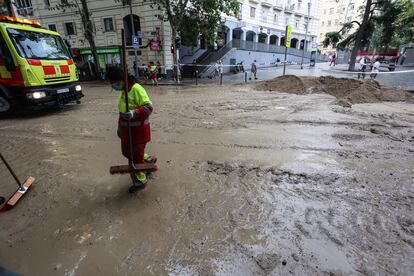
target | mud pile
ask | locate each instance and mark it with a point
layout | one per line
(347, 91)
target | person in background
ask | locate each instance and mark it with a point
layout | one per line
(159, 69)
(362, 67)
(253, 70)
(333, 60)
(375, 69)
(403, 57)
(153, 73)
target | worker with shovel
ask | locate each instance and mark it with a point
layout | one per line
(133, 125)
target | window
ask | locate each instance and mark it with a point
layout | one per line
(323, 23)
(297, 23)
(331, 10)
(47, 3)
(351, 7)
(275, 19)
(70, 28)
(252, 12)
(349, 19)
(35, 45)
(52, 27)
(287, 21)
(264, 15)
(24, 7)
(108, 24)
(64, 2)
(336, 22)
(329, 23)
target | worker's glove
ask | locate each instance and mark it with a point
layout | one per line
(128, 115)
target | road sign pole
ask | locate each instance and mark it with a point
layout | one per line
(133, 34)
(306, 35)
(288, 34)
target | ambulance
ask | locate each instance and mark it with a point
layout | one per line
(36, 68)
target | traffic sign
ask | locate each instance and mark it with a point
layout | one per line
(288, 36)
(135, 41)
(141, 34)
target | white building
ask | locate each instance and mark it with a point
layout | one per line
(109, 17)
(264, 21)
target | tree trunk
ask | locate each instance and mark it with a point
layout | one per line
(9, 7)
(360, 35)
(87, 25)
(175, 56)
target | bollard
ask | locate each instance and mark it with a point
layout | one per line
(221, 78)
(245, 76)
(196, 77)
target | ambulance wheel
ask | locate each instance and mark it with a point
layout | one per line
(7, 106)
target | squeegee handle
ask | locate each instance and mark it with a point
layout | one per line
(11, 171)
(125, 88)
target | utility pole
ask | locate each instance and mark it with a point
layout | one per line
(306, 35)
(133, 34)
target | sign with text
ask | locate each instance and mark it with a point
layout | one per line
(288, 36)
(135, 41)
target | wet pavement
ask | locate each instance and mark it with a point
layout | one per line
(250, 183)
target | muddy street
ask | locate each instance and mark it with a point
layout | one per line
(250, 183)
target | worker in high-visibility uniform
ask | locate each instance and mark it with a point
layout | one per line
(140, 108)
(153, 73)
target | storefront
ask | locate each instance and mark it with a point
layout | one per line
(107, 57)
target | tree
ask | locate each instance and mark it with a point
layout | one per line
(89, 33)
(191, 18)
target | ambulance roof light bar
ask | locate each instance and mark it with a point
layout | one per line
(25, 21)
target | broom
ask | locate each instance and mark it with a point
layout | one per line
(23, 187)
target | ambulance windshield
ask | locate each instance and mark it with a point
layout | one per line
(37, 45)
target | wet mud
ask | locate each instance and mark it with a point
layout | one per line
(250, 183)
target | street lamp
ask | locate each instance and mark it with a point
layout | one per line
(306, 35)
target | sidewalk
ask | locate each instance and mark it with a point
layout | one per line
(402, 80)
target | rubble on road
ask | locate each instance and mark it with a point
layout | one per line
(347, 91)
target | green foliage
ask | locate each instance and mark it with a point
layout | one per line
(192, 18)
(332, 38)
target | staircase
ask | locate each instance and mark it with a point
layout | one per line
(207, 58)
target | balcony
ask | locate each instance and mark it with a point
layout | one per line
(289, 8)
(266, 4)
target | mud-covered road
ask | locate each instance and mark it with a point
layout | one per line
(250, 183)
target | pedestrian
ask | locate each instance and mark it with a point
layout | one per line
(403, 57)
(153, 73)
(216, 71)
(159, 69)
(375, 69)
(221, 68)
(333, 60)
(362, 67)
(253, 70)
(140, 108)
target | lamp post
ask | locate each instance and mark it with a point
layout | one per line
(306, 35)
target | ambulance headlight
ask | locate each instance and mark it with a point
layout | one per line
(78, 88)
(36, 95)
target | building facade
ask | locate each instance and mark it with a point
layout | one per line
(335, 13)
(108, 17)
(265, 21)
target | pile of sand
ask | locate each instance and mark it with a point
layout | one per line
(347, 91)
